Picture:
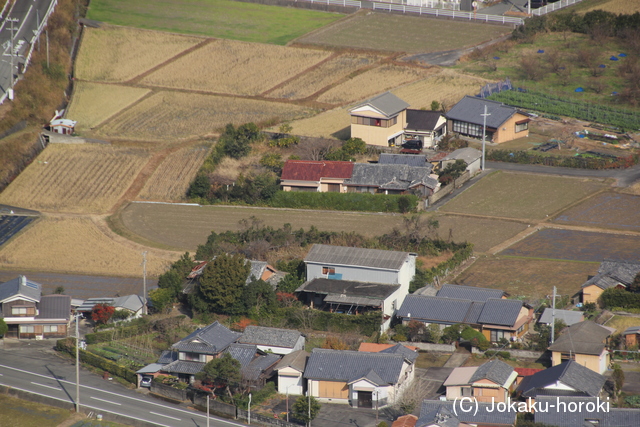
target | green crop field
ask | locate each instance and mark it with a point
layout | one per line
(216, 18)
(516, 195)
(22, 413)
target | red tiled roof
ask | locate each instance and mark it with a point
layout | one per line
(525, 372)
(309, 170)
(437, 157)
(405, 421)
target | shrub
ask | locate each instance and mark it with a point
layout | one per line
(344, 201)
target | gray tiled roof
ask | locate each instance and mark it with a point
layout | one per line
(631, 330)
(55, 307)
(502, 312)
(20, 286)
(344, 365)
(276, 337)
(440, 417)
(495, 370)
(404, 159)
(468, 154)
(183, 367)
(243, 353)
(470, 108)
(167, 356)
(469, 292)
(423, 120)
(612, 273)
(583, 380)
(387, 103)
(129, 302)
(297, 360)
(259, 365)
(370, 376)
(584, 338)
(485, 414)
(257, 268)
(342, 255)
(408, 354)
(559, 417)
(569, 317)
(390, 176)
(211, 339)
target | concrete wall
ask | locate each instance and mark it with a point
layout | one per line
(447, 189)
(168, 391)
(264, 420)
(215, 406)
(360, 274)
(444, 348)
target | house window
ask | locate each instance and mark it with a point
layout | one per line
(328, 270)
(27, 329)
(50, 328)
(18, 311)
(567, 356)
(466, 391)
(193, 357)
(522, 126)
(497, 335)
(393, 121)
(467, 128)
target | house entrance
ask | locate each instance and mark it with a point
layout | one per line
(365, 399)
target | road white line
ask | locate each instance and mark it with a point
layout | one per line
(106, 401)
(125, 415)
(163, 415)
(36, 392)
(25, 19)
(47, 386)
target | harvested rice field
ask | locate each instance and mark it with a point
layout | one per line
(371, 83)
(80, 246)
(322, 76)
(334, 123)
(605, 210)
(171, 179)
(94, 103)
(170, 116)
(87, 178)
(232, 67)
(118, 54)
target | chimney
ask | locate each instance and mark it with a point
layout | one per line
(23, 281)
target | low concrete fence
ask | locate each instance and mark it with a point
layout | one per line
(447, 189)
(443, 348)
(215, 406)
(516, 354)
(264, 420)
(168, 391)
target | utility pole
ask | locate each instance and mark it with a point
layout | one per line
(46, 33)
(309, 394)
(249, 417)
(484, 131)
(10, 91)
(553, 316)
(77, 365)
(207, 410)
(144, 282)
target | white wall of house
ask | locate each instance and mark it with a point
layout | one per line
(380, 393)
(299, 345)
(559, 385)
(292, 379)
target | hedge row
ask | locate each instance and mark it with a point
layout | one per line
(621, 298)
(345, 201)
(460, 256)
(525, 157)
(67, 345)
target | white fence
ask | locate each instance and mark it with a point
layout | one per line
(553, 6)
(344, 3)
(390, 7)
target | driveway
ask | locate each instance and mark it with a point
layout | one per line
(333, 414)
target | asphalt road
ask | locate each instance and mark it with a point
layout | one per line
(29, 14)
(37, 371)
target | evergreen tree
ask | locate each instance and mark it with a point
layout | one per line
(223, 281)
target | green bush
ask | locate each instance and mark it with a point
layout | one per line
(67, 345)
(344, 201)
(616, 297)
(501, 354)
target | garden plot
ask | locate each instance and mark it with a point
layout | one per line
(118, 54)
(606, 210)
(372, 82)
(171, 179)
(234, 67)
(322, 76)
(552, 243)
(93, 103)
(170, 116)
(84, 178)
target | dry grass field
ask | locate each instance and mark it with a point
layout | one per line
(232, 67)
(518, 195)
(334, 123)
(371, 83)
(322, 76)
(447, 85)
(623, 322)
(79, 246)
(528, 277)
(484, 233)
(616, 6)
(93, 103)
(171, 179)
(86, 178)
(118, 54)
(169, 116)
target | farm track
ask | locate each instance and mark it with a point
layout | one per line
(312, 68)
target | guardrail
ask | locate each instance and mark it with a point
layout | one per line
(345, 3)
(390, 7)
(37, 33)
(553, 6)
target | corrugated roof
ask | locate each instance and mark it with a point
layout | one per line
(581, 379)
(569, 317)
(415, 160)
(423, 120)
(470, 108)
(211, 339)
(151, 368)
(584, 338)
(261, 335)
(496, 371)
(557, 415)
(469, 292)
(130, 302)
(390, 176)
(88, 304)
(296, 360)
(502, 312)
(20, 286)
(362, 293)
(311, 170)
(387, 103)
(54, 307)
(342, 255)
(482, 413)
(344, 365)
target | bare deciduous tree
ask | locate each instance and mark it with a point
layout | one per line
(530, 67)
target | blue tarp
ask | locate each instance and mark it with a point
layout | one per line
(496, 57)
(579, 89)
(602, 66)
(622, 55)
(540, 51)
(613, 58)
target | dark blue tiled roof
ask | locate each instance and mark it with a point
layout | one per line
(344, 365)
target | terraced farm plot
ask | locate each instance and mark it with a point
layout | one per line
(86, 178)
(10, 225)
(401, 33)
(118, 54)
(171, 179)
(606, 210)
(484, 233)
(77, 245)
(528, 277)
(233, 67)
(334, 123)
(552, 243)
(322, 76)
(93, 103)
(517, 195)
(372, 82)
(170, 116)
